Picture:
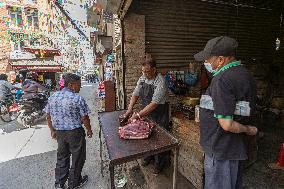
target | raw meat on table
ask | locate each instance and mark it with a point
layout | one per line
(138, 129)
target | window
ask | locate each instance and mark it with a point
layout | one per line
(17, 45)
(16, 19)
(32, 21)
(36, 22)
(32, 42)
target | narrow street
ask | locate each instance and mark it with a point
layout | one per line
(28, 156)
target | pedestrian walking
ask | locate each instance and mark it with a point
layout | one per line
(66, 111)
(225, 111)
(61, 82)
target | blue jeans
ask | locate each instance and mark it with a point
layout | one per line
(222, 174)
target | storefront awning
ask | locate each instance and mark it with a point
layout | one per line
(41, 68)
(42, 51)
(20, 55)
(38, 66)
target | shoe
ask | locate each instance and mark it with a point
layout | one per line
(59, 186)
(82, 183)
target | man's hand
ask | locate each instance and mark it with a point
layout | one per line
(53, 134)
(133, 117)
(128, 113)
(49, 123)
(90, 133)
(252, 130)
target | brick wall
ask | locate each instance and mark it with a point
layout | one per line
(4, 47)
(134, 50)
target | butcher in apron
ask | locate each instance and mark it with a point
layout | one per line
(152, 90)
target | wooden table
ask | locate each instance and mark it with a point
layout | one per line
(121, 151)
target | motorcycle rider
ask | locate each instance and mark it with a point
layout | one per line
(19, 91)
(33, 100)
(5, 89)
(31, 87)
(61, 82)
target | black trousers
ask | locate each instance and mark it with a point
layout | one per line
(70, 143)
(161, 159)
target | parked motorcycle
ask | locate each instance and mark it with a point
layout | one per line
(31, 110)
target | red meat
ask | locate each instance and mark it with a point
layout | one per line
(138, 129)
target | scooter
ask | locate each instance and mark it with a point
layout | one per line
(31, 110)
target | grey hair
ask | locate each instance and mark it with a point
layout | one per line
(70, 78)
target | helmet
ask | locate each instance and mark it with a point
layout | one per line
(32, 75)
(3, 77)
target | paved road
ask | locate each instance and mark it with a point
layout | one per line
(28, 156)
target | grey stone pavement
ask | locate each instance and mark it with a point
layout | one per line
(28, 156)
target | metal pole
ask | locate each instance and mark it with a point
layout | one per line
(101, 148)
(111, 172)
(175, 167)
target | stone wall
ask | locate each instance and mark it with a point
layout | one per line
(190, 154)
(134, 50)
(118, 63)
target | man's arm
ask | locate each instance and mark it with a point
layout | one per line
(84, 112)
(145, 111)
(132, 102)
(86, 121)
(235, 127)
(148, 109)
(134, 97)
(49, 123)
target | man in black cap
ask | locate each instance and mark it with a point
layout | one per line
(225, 111)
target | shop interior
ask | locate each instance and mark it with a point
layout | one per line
(176, 30)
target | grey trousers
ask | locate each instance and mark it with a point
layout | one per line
(222, 174)
(70, 143)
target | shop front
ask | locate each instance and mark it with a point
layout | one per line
(172, 32)
(48, 71)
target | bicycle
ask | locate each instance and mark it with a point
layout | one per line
(8, 112)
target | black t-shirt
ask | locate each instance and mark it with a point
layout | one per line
(227, 88)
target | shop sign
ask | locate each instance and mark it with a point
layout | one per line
(100, 48)
(20, 55)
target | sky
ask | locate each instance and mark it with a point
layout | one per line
(77, 10)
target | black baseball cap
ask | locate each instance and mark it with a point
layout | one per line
(218, 46)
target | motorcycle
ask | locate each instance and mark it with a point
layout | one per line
(31, 110)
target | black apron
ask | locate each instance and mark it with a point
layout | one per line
(161, 114)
